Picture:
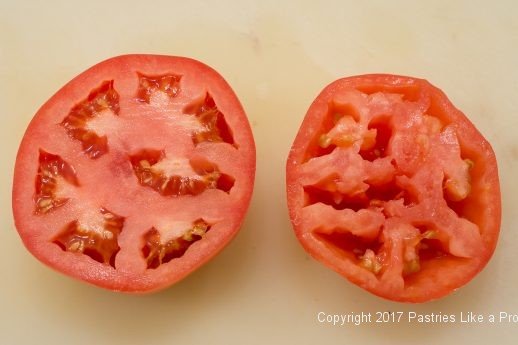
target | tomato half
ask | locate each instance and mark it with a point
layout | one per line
(135, 173)
(394, 188)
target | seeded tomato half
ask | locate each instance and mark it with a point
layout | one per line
(135, 173)
(394, 188)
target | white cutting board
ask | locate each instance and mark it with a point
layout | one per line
(263, 288)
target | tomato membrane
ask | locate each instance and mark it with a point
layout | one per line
(130, 190)
(383, 184)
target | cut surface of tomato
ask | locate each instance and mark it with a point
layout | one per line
(135, 173)
(394, 188)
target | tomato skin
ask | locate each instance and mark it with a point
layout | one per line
(440, 276)
(114, 185)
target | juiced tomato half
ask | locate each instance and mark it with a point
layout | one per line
(394, 188)
(135, 173)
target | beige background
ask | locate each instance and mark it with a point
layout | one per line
(263, 289)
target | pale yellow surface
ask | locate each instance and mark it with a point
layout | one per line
(263, 288)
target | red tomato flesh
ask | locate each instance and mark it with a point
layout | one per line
(135, 173)
(394, 188)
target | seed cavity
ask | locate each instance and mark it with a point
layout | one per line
(157, 252)
(100, 99)
(52, 170)
(168, 84)
(99, 244)
(214, 126)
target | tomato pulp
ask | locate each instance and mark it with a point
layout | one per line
(135, 173)
(394, 188)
